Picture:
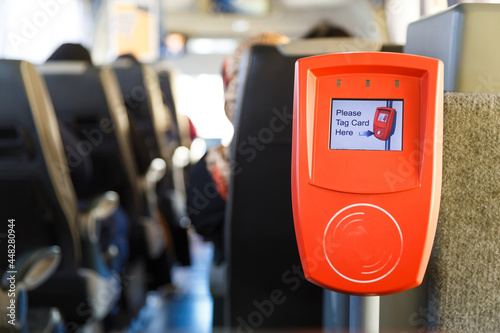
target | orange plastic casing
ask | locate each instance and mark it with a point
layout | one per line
(365, 220)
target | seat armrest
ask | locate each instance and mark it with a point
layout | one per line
(99, 208)
(34, 267)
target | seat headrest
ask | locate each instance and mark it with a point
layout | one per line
(316, 46)
(75, 67)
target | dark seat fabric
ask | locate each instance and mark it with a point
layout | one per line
(141, 90)
(81, 173)
(88, 100)
(83, 99)
(171, 191)
(464, 270)
(82, 106)
(168, 100)
(28, 193)
(138, 104)
(266, 286)
(37, 192)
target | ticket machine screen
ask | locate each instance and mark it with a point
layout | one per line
(361, 124)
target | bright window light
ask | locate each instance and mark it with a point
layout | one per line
(211, 45)
(201, 98)
(35, 28)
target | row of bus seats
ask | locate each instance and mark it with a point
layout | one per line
(267, 288)
(38, 191)
(108, 129)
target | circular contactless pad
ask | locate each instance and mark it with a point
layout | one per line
(363, 243)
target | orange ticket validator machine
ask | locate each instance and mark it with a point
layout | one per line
(365, 211)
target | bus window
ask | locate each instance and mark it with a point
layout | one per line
(34, 29)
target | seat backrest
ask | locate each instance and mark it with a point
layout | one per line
(141, 91)
(88, 101)
(34, 176)
(465, 37)
(266, 286)
(168, 99)
(464, 270)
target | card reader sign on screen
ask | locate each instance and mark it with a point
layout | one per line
(366, 124)
(366, 169)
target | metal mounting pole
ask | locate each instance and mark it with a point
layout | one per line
(364, 314)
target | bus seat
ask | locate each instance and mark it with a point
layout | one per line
(37, 192)
(172, 190)
(164, 78)
(142, 95)
(266, 286)
(80, 95)
(141, 91)
(465, 37)
(87, 99)
(173, 187)
(464, 270)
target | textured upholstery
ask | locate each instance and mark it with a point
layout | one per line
(464, 271)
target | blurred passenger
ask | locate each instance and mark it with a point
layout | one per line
(207, 188)
(326, 29)
(71, 52)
